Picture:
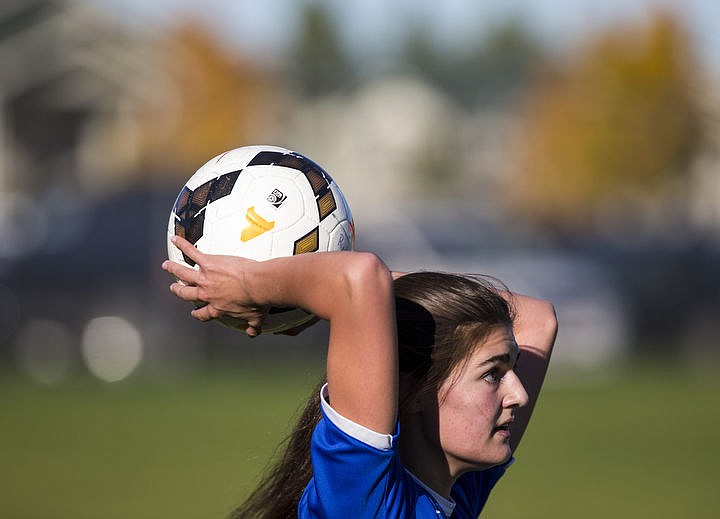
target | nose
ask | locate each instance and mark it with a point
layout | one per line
(516, 396)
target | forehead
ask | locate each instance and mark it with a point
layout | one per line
(498, 346)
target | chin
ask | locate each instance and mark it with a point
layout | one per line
(502, 456)
(492, 461)
(507, 455)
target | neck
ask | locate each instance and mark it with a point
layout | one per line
(425, 458)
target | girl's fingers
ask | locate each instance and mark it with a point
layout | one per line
(254, 327)
(186, 274)
(185, 292)
(187, 248)
(204, 314)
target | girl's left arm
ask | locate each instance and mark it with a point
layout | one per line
(535, 329)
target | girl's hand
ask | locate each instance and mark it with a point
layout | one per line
(218, 284)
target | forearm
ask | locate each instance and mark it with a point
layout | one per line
(535, 329)
(535, 325)
(323, 283)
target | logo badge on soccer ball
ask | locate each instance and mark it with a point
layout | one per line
(276, 198)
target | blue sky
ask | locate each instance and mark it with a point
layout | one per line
(371, 27)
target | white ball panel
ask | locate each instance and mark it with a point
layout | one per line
(284, 240)
(288, 212)
(227, 162)
(226, 239)
(236, 202)
(340, 237)
(323, 239)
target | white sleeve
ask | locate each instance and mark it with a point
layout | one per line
(355, 430)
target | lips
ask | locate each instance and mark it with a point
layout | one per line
(503, 427)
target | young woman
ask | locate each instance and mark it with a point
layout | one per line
(431, 380)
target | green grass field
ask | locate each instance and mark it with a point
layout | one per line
(631, 444)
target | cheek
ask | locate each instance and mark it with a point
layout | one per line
(467, 412)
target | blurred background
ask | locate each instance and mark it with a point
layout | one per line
(571, 149)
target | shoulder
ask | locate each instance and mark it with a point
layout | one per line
(355, 468)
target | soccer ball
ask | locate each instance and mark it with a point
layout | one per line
(261, 202)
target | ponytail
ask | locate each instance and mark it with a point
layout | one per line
(279, 491)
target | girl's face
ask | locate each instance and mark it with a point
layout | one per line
(477, 404)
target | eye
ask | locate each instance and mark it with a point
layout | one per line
(492, 377)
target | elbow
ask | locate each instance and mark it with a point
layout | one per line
(549, 320)
(537, 326)
(542, 314)
(355, 282)
(546, 326)
(367, 272)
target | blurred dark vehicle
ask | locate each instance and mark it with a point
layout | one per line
(82, 259)
(671, 286)
(616, 297)
(594, 327)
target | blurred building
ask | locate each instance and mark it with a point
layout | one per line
(397, 141)
(75, 88)
(73, 85)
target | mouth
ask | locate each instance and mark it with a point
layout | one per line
(503, 429)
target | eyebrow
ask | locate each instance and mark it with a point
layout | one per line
(504, 358)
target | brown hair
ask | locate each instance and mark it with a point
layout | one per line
(441, 318)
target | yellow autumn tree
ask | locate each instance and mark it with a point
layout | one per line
(214, 100)
(620, 118)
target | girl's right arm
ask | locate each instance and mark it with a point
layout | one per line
(352, 290)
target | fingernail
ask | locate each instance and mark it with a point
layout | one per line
(173, 238)
(164, 265)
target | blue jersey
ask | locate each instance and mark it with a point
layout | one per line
(357, 473)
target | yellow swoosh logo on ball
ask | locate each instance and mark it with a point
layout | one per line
(257, 225)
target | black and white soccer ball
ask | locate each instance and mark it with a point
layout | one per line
(262, 202)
